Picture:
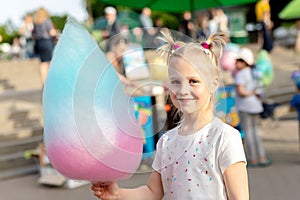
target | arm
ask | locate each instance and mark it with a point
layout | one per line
(51, 29)
(243, 92)
(260, 38)
(22, 29)
(114, 61)
(236, 181)
(152, 191)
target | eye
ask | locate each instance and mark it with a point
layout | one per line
(194, 81)
(175, 82)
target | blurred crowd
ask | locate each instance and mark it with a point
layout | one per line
(197, 25)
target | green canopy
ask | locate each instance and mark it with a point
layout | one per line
(177, 5)
(291, 10)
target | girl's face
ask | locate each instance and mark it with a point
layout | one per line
(188, 91)
(240, 64)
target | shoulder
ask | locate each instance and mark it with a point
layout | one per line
(242, 74)
(230, 147)
(226, 129)
(228, 134)
(295, 99)
(48, 21)
(221, 132)
(167, 138)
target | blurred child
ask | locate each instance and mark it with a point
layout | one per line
(249, 106)
(202, 157)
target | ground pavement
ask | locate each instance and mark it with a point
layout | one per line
(280, 181)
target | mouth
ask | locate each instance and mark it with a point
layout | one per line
(185, 99)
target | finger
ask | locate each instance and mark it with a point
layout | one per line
(95, 188)
(95, 183)
(100, 184)
(104, 184)
(97, 193)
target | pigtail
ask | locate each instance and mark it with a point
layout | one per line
(170, 44)
(217, 40)
(214, 44)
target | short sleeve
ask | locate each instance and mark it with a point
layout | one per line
(156, 165)
(231, 148)
(293, 102)
(240, 79)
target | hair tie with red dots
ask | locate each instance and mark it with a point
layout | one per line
(205, 45)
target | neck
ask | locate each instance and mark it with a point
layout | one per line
(195, 121)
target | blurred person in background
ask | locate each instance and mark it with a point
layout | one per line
(222, 21)
(145, 18)
(213, 23)
(113, 26)
(26, 33)
(43, 34)
(115, 56)
(263, 17)
(265, 35)
(297, 44)
(203, 31)
(249, 106)
(16, 49)
(187, 25)
(147, 25)
(260, 7)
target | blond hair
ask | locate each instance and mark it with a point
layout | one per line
(40, 16)
(203, 55)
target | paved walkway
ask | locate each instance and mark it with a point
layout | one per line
(280, 181)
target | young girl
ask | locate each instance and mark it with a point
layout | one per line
(201, 158)
(249, 106)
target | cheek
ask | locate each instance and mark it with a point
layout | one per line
(238, 65)
(174, 100)
(202, 94)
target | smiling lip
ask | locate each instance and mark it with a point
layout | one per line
(185, 99)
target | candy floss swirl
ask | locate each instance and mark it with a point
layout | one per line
(90, 131)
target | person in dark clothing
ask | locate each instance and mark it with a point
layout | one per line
(203, 32)
(43, 34)
(113, 26)
(187, 24)
(267, 25)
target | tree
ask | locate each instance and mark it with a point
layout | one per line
(59, 21)
(7, 34)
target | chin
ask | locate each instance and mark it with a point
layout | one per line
(189, 110)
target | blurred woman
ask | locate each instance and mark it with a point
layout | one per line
(43, 34)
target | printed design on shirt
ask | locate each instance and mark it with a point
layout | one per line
(180, 156)
(197, 145)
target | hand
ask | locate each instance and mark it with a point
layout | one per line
(106, 190)
(105, 34)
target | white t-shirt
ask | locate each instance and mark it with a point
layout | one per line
(192, 166)
(249, 104)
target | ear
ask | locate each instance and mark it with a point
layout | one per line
(215, 84)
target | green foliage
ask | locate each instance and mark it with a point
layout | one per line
(288, 23)
(59, 21)
(7, 37)
(169, 20)
(97, 8)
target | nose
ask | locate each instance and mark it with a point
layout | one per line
(183, 89)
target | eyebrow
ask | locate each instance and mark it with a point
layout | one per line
(194, 77)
